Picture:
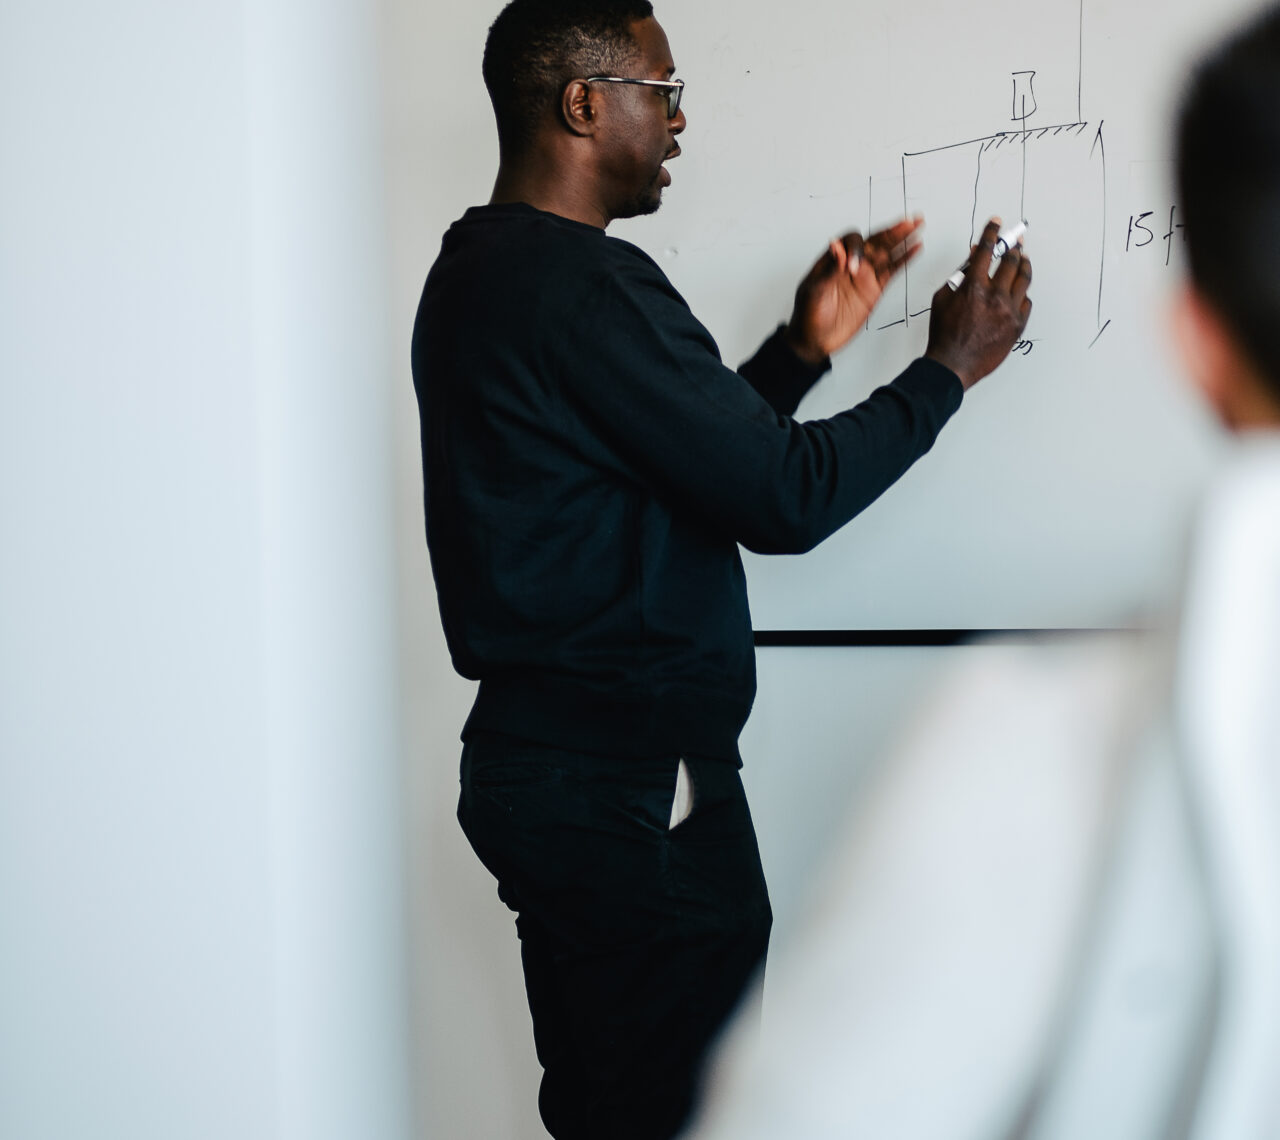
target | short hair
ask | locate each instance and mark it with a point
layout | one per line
(535, 47)
(1228, 169)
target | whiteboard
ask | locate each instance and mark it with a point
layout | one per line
(1059, 493)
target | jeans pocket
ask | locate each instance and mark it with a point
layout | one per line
(493, 760)
(682, 798)
(515, 773)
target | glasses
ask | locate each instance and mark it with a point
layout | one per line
(674, 88)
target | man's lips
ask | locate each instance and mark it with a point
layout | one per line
(663, 172)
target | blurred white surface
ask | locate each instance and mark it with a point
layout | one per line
(1052, 913)
(201, 860)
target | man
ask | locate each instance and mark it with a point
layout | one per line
(1055, 911)
(590, 469)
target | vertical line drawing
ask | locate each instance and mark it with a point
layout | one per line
(1022, 201)
(867, 231)
(1080, 65)
(977, 178)
(1100, 143)
(906, 269)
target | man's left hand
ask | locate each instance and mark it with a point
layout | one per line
(839, 292)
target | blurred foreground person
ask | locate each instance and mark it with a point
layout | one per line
(1057, 912)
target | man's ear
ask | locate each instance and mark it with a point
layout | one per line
(577, 109)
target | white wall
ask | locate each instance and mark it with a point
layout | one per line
(200, 841)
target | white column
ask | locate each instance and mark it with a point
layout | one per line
(201, 901)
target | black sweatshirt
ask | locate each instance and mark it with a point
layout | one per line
(591, 467)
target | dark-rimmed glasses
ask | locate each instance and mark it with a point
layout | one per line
(674, 88)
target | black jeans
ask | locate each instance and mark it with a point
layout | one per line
(637, 941)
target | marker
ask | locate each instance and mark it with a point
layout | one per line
(1005, 242)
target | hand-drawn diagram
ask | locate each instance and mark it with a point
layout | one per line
(1023, 90)
(1053, 173)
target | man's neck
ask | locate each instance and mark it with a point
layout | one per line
(552, 188)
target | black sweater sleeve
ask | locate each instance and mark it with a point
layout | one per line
(654, 386)
(779, 375)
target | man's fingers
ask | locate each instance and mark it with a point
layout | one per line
(886, 250)
(838, 257)
(1007, 270)
(1022, 282)
(887, 254)
(842, 258)
(854, 247)
(899, 232)
(853, 243)
(895, 260)
(831, 264)
(980, 263)
(906, 249)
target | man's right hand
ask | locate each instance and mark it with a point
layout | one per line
(973, 328)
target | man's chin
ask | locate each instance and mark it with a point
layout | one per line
(647, 203)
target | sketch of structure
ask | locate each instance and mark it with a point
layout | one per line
(1053, 176)
(1024, 96)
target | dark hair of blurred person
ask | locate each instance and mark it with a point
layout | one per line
(1228, 170)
